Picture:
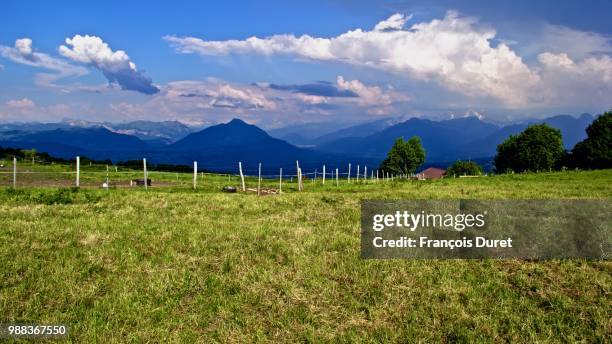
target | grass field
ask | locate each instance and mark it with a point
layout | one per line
(178, 265)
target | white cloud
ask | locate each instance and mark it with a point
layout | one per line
(371, 95)
(219, 94)
(23, 103)
(25, 109)
(579, 82)
(213, 100)
(23, 53)
(24, 46)
(115, 65)
(455, 52)
(576, 44)
(395, 22)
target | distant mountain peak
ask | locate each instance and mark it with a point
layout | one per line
(233, 133)
(236, 120)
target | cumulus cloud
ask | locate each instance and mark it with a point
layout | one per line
(371, 95)
(218, 94)
(573, 79)
(23, 53)
(456, 52)
(557, 39)
(214, 100)
(115, 65)
(22, 103)
(330, 96)
(25, 110)
(199, 101)
(395, 22)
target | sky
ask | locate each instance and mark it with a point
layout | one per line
(275, 63)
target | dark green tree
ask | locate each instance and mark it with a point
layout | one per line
(596, 150)
(404, 157)
(30, 154)
(537, 148)
(464, 168)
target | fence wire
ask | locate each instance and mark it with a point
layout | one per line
(28, 174)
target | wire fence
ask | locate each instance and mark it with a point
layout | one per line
(25, 173)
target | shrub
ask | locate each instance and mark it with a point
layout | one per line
(464, 168)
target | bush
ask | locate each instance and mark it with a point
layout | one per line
(464, 168)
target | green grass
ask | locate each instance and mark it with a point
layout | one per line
(178, 265)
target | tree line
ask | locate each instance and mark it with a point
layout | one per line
(7, 153)
(537, 148)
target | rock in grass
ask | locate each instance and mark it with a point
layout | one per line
(229, 189)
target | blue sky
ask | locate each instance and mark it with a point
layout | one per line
(194, 61)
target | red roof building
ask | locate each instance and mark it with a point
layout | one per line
(431, 173)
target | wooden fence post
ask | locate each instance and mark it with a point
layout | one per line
(349, 174)
(323, 174)
(280, 181)
(144, 165)
(299, 174)
(241, 176)
(195, 174)
(14, 172)
(301, 180)
(259, 181)
(337, 183)
(78, 171)
(300, 184)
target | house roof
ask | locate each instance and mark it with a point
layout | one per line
(433, 172)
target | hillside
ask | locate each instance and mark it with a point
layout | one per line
(443, 140)
(96, 143)
(450, 140)
(241, 268)
(222, 146)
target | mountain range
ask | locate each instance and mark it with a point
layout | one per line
(216, 148)
(450, 140)
(164, 132)
(220, 147)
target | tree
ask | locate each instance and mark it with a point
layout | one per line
(596, 150)
(404, 157)
(30, 154)
(537, 148)
(464, 168)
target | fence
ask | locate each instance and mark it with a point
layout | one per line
(26, 173)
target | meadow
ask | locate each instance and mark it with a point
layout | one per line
(173, 264)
